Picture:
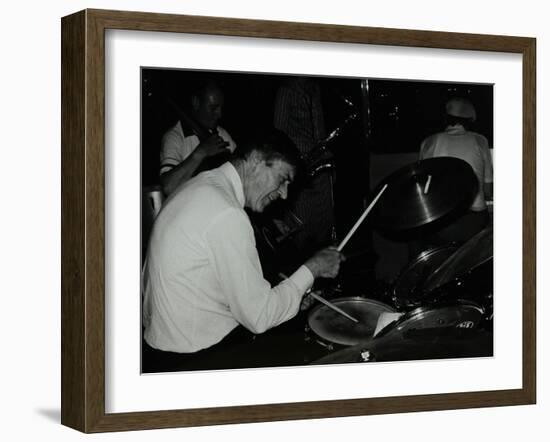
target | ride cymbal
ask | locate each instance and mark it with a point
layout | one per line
(423, 193)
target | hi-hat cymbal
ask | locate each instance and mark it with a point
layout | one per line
(424, 192)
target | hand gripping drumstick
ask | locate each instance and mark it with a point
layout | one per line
(324, 301)
(361, 219)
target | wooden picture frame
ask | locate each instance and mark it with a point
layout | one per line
(83, 220)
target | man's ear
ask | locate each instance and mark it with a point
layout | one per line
(256, 157)
(256, 160)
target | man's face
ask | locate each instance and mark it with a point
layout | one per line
(208, 108)
(268, 183)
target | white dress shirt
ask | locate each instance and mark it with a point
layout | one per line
(203, 276)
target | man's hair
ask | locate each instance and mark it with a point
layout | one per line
(272, 145)
(205, 85)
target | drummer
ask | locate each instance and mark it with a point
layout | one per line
(202, 280)
(458, 141)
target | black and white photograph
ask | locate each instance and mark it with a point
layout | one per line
(295, 220)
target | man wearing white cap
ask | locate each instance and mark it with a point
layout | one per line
(459, 142)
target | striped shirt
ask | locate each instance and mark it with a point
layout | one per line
(176, 146)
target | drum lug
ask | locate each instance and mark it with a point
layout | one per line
(395, 302)
(328, 346)
(307, 336)
(367, 356)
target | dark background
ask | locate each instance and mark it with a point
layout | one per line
(394, 117)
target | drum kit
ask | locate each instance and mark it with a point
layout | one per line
(441, 303)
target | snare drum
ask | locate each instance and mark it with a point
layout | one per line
(331, 327)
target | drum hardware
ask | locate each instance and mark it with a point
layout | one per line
(274, 230)
(448, 273)
(274, 240)
(444, 331)
(316, 158)
(433, 317)
(328, 346)
(323, 166)
(466, 288)
(367, 356)
(308, 337)
(469, 345)
(443, 312)
(408, 292)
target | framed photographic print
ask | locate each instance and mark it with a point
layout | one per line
(267, 220)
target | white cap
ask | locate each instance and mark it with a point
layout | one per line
(461, 107)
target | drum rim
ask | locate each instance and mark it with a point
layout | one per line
(416, 260)
(454, 303)
(460, 277)
(336, 301)
(481, 234)
(418, 311)
(431, 250)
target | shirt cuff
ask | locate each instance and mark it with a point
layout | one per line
(302, 278)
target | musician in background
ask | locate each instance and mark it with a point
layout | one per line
(298, 113)
(459, 142)
(194, 143)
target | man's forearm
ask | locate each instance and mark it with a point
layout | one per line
(181, 173)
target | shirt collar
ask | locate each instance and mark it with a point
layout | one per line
(455, 129)
(229, 171)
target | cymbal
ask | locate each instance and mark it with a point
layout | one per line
(424, 192)
(471, 255)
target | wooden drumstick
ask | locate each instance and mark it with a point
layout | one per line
(324, 301)
(427, 185)
(332, 306)
(361, 219)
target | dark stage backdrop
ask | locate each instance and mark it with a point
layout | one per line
(394, 116)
